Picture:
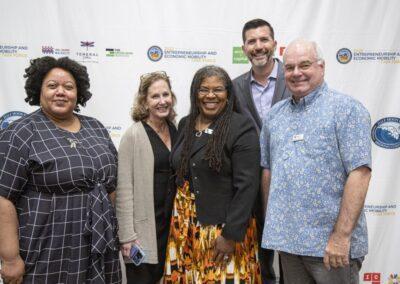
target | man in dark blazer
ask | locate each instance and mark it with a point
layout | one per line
(257, 91)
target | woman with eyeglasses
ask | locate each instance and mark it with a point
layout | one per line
(216, 160)
(143, 198)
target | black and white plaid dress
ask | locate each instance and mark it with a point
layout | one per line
(59, 182)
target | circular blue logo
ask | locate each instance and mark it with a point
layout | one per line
(155, 53)
(9, 117)
(386, 132)
(344, 55)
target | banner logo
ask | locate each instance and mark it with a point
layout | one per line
(87, 56)
(386, 132)
(13, 50)
(281, 50)
(47, 50)
(10, 117)
(55, 51)
(394, 279)
(381, 209)
(155, 53)
(87, 44)
(238, 56)
(116, 52)
(373, 277)
(344, 55)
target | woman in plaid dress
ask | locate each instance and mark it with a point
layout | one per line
(57, 177)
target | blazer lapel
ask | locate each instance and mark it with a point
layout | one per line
(280, 84)
(199, 143)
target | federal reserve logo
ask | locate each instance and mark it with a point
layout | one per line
(155, 53)
(386, 132)
(344, 55)
(9, 117)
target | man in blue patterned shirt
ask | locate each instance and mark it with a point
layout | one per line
(316, 159)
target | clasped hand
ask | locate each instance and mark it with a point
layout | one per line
(223, 250)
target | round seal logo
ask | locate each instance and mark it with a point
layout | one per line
(9, 117)
(344, 55)
(386, 132)
(155, 53)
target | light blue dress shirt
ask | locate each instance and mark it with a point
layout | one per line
(311, 147)
(262, 95)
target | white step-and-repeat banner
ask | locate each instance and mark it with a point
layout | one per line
(120, 40)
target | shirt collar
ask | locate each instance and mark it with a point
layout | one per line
(311, 97)
(273, 75)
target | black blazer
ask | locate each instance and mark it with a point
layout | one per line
(245, 102)
(228, 196)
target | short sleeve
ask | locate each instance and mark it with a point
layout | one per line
(14, 154)
(264, 145)
(353, 134)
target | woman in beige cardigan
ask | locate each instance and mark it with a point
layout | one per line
(143, 197)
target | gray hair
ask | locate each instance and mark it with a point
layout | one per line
(302, 41)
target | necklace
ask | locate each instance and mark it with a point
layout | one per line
(200, 129)
(72, 142)
(207, 131)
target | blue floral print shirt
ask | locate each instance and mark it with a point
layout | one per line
(310, 147)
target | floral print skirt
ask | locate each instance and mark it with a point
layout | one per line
(190, 252)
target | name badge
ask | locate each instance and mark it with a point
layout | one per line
(298, 137)
(208, 131)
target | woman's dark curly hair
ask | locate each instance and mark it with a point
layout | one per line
(40, 67)
(222, 122)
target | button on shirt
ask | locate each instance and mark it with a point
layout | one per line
(311, 147)
(262, 95)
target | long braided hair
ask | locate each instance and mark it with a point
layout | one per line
(222, 122)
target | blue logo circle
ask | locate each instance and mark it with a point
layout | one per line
(386, 132)
(9, 117)
(344, 55)
(155, 53)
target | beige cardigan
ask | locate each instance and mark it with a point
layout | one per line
(134, 194)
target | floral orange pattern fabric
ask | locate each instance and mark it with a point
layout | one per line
(190, 249)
